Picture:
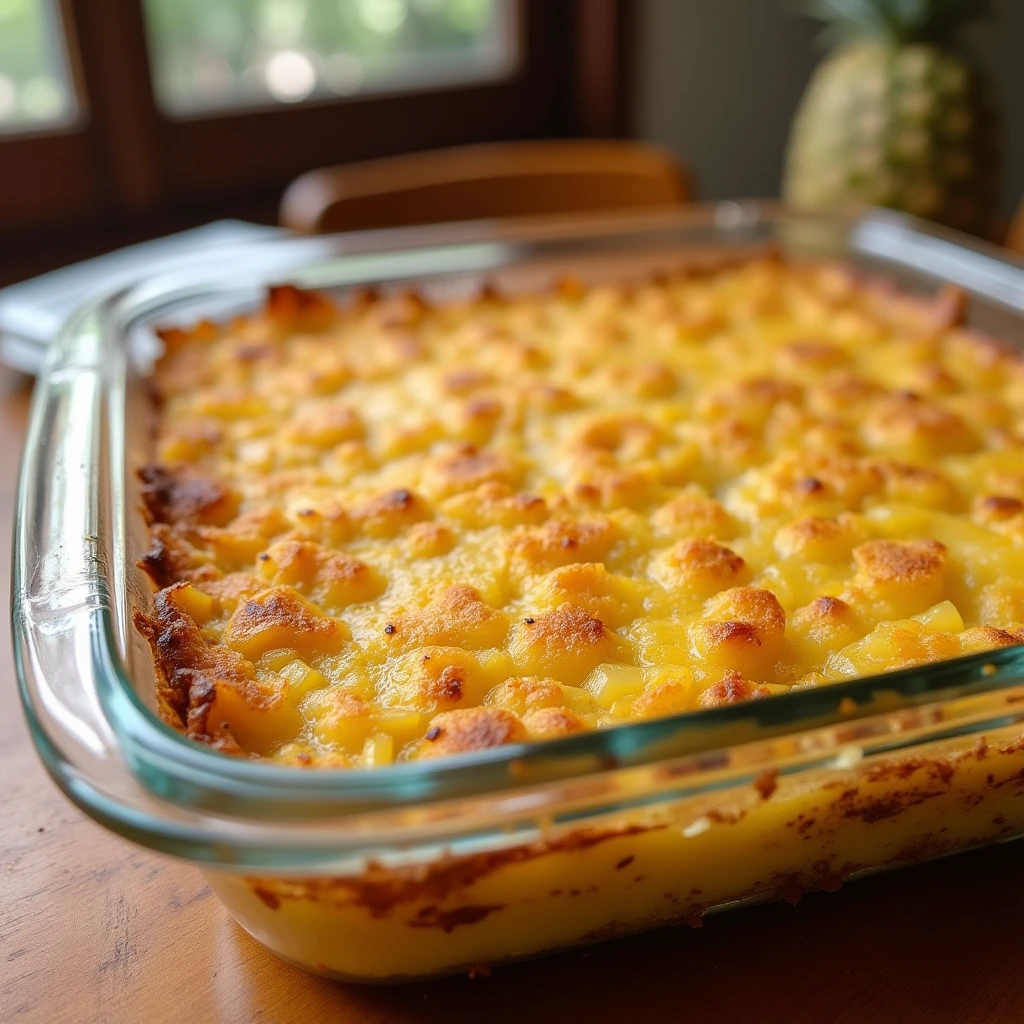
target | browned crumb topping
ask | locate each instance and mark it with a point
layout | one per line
(385, 528)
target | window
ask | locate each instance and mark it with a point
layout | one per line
(35, 87)
(220, 54)
(123, 119)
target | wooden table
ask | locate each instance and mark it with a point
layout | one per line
(94, 930)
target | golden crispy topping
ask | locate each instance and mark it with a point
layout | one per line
(730, 689)
(550, 723)
(467, 467)
(523, 693)
(385, 514)
(700, 566)
(814, 355)
(696, 516)
(564, 541)
(332, 578)
(824, 610)
(906, 422)
(531, 514)
(279, 618)
(761, 608)
(901, 561)
(614, 599)
(565, 643)
(432, 678)
(457, 617)
(812, 537)
(495, 504)
(468, 729)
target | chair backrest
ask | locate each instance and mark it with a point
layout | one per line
(508, 179)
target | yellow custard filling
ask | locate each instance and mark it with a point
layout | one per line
(388, 529)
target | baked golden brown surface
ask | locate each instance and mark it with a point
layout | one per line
(385, 529)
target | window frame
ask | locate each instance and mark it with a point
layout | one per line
(127, 167)
(59, 161)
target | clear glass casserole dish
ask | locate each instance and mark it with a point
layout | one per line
(423, 868)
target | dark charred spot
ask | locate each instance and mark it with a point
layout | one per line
(432, 734)
(158, 563)
(448, 685)
(172, 496)
(810, 485)
(390, 628)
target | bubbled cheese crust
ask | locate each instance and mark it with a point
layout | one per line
(384, 529)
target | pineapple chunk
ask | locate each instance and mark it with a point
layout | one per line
(379, 749)
(941, 618)
(259, 721)
(610, 684)
(341, 721)
(300, 679)
(199, 607)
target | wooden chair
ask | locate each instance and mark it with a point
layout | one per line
(508, 179)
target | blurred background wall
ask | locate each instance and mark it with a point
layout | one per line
(718, 81)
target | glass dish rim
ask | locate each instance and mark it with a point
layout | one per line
(155, 746)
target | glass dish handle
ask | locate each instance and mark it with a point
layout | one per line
(59, 580)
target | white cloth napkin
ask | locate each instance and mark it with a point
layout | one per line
(33, 311)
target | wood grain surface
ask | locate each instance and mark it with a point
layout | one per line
(94, 930)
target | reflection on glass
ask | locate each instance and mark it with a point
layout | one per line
(217, 54)
(35, 91)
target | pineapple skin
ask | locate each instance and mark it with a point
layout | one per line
(913, 128)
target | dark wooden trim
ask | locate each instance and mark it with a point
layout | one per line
(116, 74)
(47, 180)
(604, 34)
(128, 169)
(270, 147)
(52, 178)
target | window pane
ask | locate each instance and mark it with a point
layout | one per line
(221, 54)
(35, 90)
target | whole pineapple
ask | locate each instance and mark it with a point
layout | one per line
(897, 117)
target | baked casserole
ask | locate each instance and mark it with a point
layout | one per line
(385, 529)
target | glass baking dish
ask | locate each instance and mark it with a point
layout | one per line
(424, 868)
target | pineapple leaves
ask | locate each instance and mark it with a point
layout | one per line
(897, 22)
